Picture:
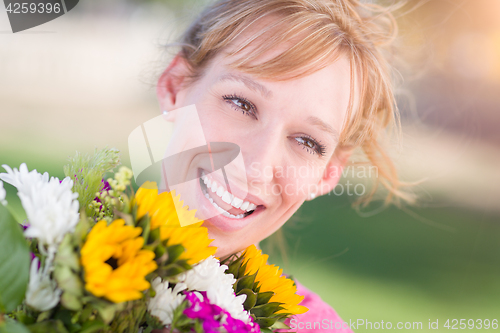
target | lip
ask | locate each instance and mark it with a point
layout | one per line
(221, 222)
(235, 190)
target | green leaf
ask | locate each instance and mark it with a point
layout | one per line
(14, 262)
(234, 267)
(265, 310)
(67, 266)
(53, 326)
(92, 326)
(145, 224)
(87, 172)
(265, 330)
(250, 300)
(153, 322)
(174, 252)
(242, 268)
(171, 270)
(198, 327)
(23, 317)
(265, 322)
(107, 310)
(154, 235)
(11, 326)
(160, 251)
(82, 228)
(264, 297)
(66, 255)
(280, 325)
(66, 317)
(246, 282)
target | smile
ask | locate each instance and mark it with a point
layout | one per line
(226, 203)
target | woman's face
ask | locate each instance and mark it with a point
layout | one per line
(287, 132)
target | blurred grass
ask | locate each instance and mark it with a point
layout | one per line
(435, 263)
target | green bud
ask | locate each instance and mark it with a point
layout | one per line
(246, 282)
(265, 322)
(265, 310)
(250, 300)
(264, 297)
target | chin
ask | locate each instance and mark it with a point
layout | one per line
(225, 246)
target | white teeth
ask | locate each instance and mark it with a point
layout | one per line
(227, 197)
(245, 205)
(221, 210)
(236, 202)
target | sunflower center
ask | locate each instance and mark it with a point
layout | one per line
(113, 262)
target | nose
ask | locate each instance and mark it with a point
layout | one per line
(263, 153)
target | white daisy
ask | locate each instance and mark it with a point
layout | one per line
(209, 276)
(42, 293)
(23, 179)
(2, 195)
(52, 211)
(166, 300)
(50, 205)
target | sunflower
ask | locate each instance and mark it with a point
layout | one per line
(270, 278)
(115, 262)
(178, 225)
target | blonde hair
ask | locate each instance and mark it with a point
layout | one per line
(319, 31)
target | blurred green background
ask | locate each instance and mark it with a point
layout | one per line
(87, 80)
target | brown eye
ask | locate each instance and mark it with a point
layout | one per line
(243, 105)
(306, 142)
(312, 146)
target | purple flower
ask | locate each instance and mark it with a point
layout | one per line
(213, 317)
(198, 309)
(234, 325)
(210, 325)
(201, 308)
(33, 256)
(106, 187)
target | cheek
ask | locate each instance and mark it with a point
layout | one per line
(296, 182)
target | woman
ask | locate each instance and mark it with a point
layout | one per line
(297, 86)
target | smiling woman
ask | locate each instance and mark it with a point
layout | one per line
(296, 85)
(277, 131)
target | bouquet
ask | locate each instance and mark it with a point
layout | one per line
(95, 256)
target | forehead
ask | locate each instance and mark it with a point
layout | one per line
(324, 92)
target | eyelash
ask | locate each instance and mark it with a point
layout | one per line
(318, 149)
(230, 98)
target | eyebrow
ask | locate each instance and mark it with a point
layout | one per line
(255, 86)
(323, 126)
(251, 84)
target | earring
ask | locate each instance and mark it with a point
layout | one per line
(165, 112)
(312, 196)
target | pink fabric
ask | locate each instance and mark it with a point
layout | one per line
(321, 317)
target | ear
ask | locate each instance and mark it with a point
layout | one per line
(333, 170)
(170, 84)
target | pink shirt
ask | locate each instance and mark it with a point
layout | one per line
(321, 317)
